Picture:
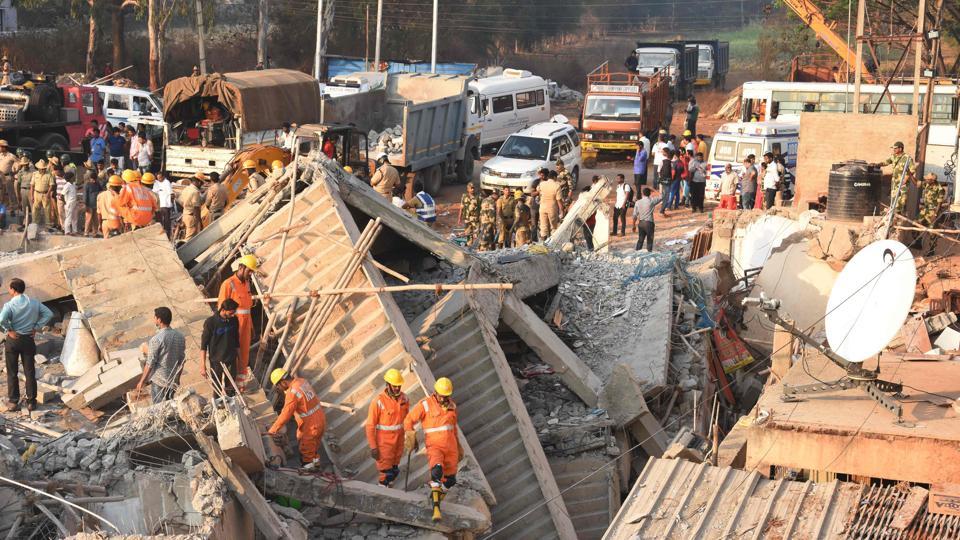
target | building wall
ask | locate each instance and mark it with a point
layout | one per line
(828, 138)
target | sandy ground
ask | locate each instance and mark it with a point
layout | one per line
(677, 225)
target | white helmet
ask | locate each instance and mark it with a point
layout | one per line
(381, 157)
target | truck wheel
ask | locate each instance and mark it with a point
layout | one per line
(29, 144)
(54, 141)
(576, 178)
(590, 162)
(432, 180)
(465, 168)
(44, 103)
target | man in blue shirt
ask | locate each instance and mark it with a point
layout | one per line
(98, 148)
(116, 143)
(20, 319)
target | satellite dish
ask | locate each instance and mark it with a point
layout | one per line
(870, 300)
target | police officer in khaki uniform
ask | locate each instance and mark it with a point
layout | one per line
(385, 178)
(191, 201)
(43, 185)
(506, 213)
(931, 203)
(522, 220)
(488, 222)
(470, 213)
(551, 205)
(567, 183)
(21, 182)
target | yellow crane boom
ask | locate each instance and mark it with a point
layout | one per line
(811, 15)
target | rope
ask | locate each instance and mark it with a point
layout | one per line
(659, 263)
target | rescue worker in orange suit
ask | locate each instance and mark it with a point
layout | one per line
(237, 287)
(300, 402)
(437, 414)
(385, 427)
(136, 204)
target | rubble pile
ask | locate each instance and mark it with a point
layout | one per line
(389, 141)
(429, 270)
(562, 93)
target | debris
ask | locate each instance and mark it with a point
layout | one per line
(80, 351)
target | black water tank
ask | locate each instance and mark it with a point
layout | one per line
(853, 191)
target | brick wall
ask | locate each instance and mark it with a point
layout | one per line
(828, 138)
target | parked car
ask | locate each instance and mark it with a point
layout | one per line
(504, 104)
(527, 151)
(126, 104)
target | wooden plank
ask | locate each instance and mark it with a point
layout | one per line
(190, 409)
(539, 337)
(389, 504)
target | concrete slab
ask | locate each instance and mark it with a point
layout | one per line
(594, 501)
(847, 432)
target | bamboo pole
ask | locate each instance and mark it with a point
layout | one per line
(440, 287)
(280, 342)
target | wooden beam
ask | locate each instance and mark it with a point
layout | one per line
(541, 338)
(190, 409)
(373, 501)
(364, 198)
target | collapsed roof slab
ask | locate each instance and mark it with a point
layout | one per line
(591, 489)
(679, 499)
(40, 271)
(364, 336)
(118, 284)
(461, 344)
(848, 432)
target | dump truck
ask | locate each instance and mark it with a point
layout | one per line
(38, 114)
(209, 119)
(618, 107)
(424, 117)
(713, 61)
(673, 58)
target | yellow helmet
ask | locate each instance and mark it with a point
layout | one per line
(148, 179)
(687, 133)
(277, 164)
(518, 194)
(393, 377)
(250, 261)
(249, 164)
(115, 181)
(348, 169)
(277, 375)
(443, 386)
(130, 175)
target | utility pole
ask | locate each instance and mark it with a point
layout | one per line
(918, 56)
(376, 43)
(203, 52)
(433, 43)
(317, 52)
(262, 29)
(366, 38)
(858, 74)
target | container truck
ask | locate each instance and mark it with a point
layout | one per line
(673, 58)
(713, 61)
(618, 107)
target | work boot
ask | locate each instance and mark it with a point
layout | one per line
(31, 406)
(10, 406)
(313, 465)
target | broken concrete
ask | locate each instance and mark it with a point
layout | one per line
(80, 351)
(591, 489)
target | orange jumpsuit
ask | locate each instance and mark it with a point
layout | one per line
(302, 403)
(234, 288)
(136, 204)
(439, 431)
(385, 429)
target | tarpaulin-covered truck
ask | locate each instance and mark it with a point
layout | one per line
(209, 119)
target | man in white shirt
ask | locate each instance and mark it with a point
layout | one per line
(144, 152)
(621, 205)
(68, 191)
(164, 191)
(657, 151)
(287, 137)
(772, 180)
(698, 182)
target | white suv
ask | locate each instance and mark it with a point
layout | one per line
(529, 150)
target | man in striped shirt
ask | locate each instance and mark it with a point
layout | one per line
(165, 356)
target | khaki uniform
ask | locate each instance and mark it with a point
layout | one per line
(550, 199)
(384, 180)
(931, 201)
(43, 185)
(107, 210)
(522, 225)
(254, 181)
(488, 224)
(8, 163)
(21, 183)
(899, 163)
(470, 209)
(506, 207)
(567, 187)
(190, 201)
(216, 200)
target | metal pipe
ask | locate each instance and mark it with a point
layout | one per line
(316, 52)
(376, 46)
(433, 43)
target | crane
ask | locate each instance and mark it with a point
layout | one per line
(811, 15)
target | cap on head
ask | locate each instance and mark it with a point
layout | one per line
(687, 133)
(200, 176)
(277, 375)
(249, 164)
(65, 158)
(930, 176)
(443, 386)
(518, 194)
(559, 162)
(381, 157)
(115, 181)
(148, 179)
(897, 144)
(250, 261)
(348, 169)
(4, 143)
(129, 175)
(24, 160)
(393, 377)
(276, 165)
(42, 165)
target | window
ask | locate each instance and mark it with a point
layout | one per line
(533, 98)
(88, 103)
(944, 109)
(747, 148)
(561, 146)
(116, 101)
(474, 99)
(613, 108)
(776, 148)
(725, 151)
(502, 104)
(524, 148)
(575, 138)
(143, 105)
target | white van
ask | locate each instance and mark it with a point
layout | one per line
(737, 140)
(126, 104)
(527, 151)
(503, 105)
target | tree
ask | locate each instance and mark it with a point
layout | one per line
(159, 13)
(118, 9)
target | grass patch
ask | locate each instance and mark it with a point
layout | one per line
(743, 41)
